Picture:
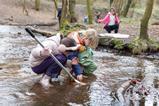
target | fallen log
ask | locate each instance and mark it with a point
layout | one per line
(104, 39)
(145, 92)
(112, 35)
(43, 24)
(148, 83)
(123, 88)
(31, 24)
(43, 32)
(107, 39)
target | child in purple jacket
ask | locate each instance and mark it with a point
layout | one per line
(41, 61)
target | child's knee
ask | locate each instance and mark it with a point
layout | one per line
(75, 61)
(77, 69)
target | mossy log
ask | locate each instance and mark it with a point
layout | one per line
(43, 32)
(116, 41)
(133, 46)
(67, 29)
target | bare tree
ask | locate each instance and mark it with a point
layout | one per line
(56, 4)
(145, 20)
(134, 2)
(111, 1)
(65, 14)
(126, 8)
(25, 11)
(37, 5)
(90, 11)
(119, 5)
(72, 4)
(56, 8)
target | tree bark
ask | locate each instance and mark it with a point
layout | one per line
(65, 14)
(133, 3)
(25, 11)
(37, 5)
(90, 11)
(145, 20)
(56, 4)
(126, 8)
(118, 5)
(56, 8)
(72, 4)
(111, 1)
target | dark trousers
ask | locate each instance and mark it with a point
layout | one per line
(110, 28)
(50, 67)
(76, 68)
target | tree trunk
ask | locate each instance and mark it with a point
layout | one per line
(133, 3)
(25, 11)
(72, 4)
(111, 1)
(145, 20)
(90, 11)
(56, 8)
(56, 4)
(65, 14)
(37, 5)
(126, 8)
(118, 5)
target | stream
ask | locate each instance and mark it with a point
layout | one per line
(16, 77)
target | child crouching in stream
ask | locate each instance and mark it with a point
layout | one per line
(41, 61)
(83, 63)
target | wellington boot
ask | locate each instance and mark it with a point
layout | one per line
(45, 81)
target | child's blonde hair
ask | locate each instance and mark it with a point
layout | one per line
(91, 34)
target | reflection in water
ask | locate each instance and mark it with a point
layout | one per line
(61, 95)
(16, 77)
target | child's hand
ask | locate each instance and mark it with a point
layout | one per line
(74, 61)
(74, 48)
(80, 77)
(62, 48)
(98, 21)
(45, 52)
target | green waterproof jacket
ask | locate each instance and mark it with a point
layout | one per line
(86, 60)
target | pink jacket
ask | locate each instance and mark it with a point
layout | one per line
(106, 19)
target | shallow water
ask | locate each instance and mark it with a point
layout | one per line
(16, 77)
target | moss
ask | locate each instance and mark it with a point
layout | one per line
(118, 44)
(71, 27)
(136, 46)
(153, 45)
(139, 46)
